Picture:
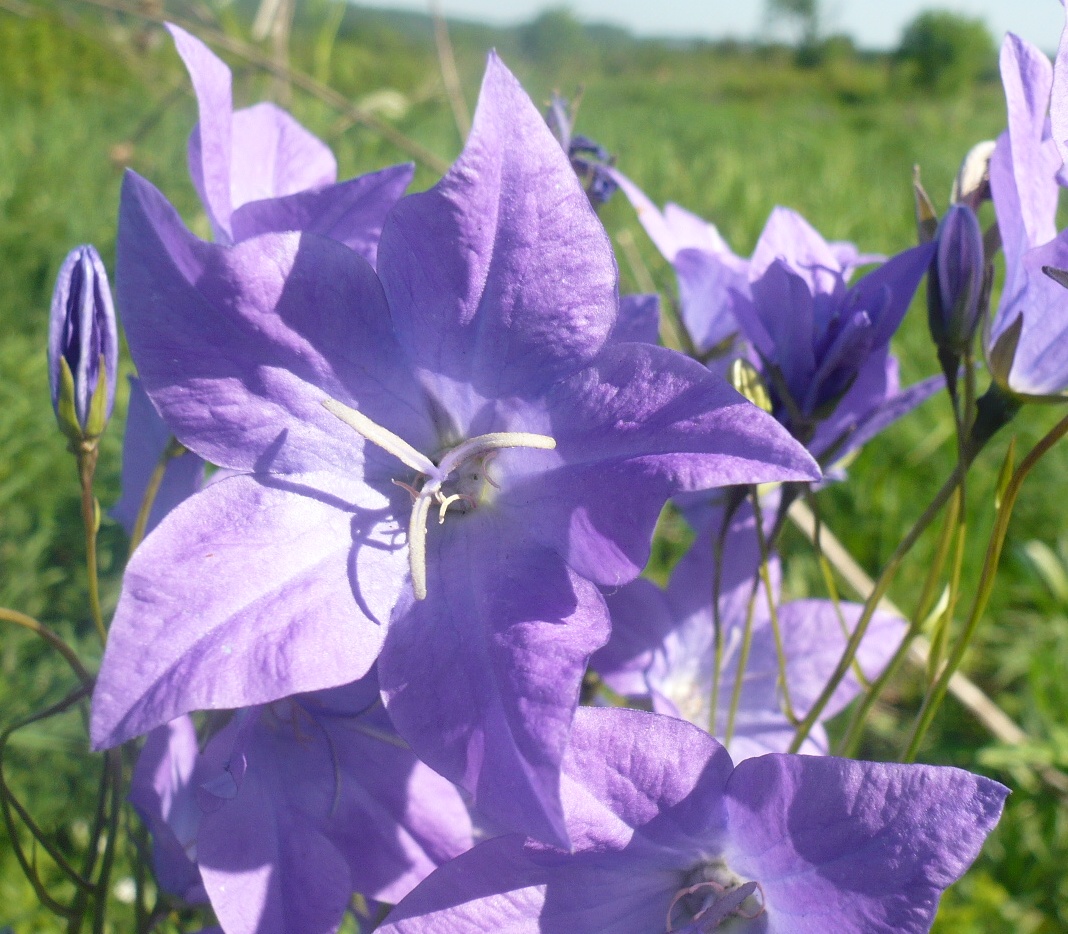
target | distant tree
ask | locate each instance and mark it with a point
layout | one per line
(804, 15)
(946, 51)
(552, 37)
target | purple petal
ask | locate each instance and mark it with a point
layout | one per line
(210, 142)
(274, 156)
(161, 791)
(351, 212)
(707, 287)
(783, 300)
(482, 677)
(244, 594)
(639, 319)
(855, 847)
(267, 867)
(788, 237)
(238, 347)
(500, 276)
(899, 276)
(653, 423)
(641, 619)
(145, 441)
(1058, 107)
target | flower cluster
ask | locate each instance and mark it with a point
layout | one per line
(392, 470)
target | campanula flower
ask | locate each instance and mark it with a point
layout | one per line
(669, 835)
(955, 284)
(1027, 343)
(293, 806)
(438, 463)
(83, 346)
(591, 161)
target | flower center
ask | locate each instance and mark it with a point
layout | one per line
(463, 468)
(713, 896)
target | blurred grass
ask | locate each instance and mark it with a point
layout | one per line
(726, 135)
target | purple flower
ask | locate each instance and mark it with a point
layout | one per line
(259, 171)
(663, 645)
(591, 161)
(83, 346)
(1027, 344)
(442, 461)
(668, 835)
(821, 345)
(293, 806)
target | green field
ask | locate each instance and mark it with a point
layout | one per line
(727, 133)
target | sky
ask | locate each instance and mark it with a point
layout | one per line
(874, 24)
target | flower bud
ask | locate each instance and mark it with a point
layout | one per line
(956, 282)
(83, 346)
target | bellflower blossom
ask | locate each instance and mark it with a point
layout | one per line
(440, 463)
(83, 345)
(1027, 343)
(669, 835)
(591, 161)
(662, 646)
(293, 806)
(821, 344)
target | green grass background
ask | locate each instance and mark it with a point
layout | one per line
(728, 135)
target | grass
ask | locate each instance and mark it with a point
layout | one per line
(726, 136)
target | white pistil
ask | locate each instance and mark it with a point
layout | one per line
(436, 474)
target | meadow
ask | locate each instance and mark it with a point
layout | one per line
(728, 133)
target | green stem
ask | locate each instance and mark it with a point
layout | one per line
(743, 662)
(765, 577)
(174, 449)
(86, 468)
(49, 636)
(114, 766)
(851, 739)
(882, 585)
(937, 693)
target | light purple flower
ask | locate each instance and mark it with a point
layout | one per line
(1027, 343)
(475, 380)
(83, 345)
(291, 808)
(663, 645)
(259, 171)
(668, 835)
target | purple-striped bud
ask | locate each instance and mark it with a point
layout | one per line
(956, 283)
(83, 346)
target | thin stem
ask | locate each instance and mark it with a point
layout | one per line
(882, 585)
(449, 75)
(769, 590)
(114, 766)
(155, 481)
(937, 693)
(717, 620)
(743, 662)
(86, 468)
(851, 739)
(49, 636)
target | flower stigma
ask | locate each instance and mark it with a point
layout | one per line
(712, 897)
(476, 451)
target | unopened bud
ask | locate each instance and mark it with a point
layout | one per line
(972, 184)
(955, 285)
(83, 346)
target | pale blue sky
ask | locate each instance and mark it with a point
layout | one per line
(873, 23)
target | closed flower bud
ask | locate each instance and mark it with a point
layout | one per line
(956, 284)
(83, 346)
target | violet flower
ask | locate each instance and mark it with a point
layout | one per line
(1027, 343)
(669, 835)
(662, 646)
(821, 345)
(291, 808)
(83, 346)
(442, 462)
(259, 171)
(591, 161)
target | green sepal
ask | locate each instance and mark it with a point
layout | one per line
(1008, 468)
(98, 406)
(66, 414)
(926, 215)
(1003, 353)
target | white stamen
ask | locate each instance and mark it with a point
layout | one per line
(383, 437)
(436, 474)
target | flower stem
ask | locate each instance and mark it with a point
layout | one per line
(49, 636)
(87, 455)
(882, 585)
(937, 693)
